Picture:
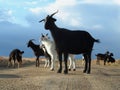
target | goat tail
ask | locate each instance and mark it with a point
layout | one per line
(97, 40)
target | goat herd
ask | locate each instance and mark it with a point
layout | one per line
(66, 43)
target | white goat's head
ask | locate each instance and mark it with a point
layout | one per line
(45, 39)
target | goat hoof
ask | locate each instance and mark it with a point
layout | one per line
(52, 69)
(66, 72)
(74, 69)
(84, 71)
(69, 69)
(88, 72)
(59, 71)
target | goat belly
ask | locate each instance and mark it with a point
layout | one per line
(73, 48)
(76, 50)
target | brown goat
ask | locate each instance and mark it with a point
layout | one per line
(15, 54)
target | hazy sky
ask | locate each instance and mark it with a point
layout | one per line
(19, 22)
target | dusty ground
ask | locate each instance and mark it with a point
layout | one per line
(29, 77)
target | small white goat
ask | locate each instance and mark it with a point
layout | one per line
(48, 60)
(51, 49)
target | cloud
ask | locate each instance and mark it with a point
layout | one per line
(58, 4)
(109, 2)
(61, 5)
(6, 15)
(68, 12)
(31, 3)
(64, 14)
(117, 2)
(36, 10)
(97, 27)
(64, 3)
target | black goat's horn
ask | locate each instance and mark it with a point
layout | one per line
(41, 20)
(54, 13)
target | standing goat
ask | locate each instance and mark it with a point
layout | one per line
(15, 54)
(110, 58)
(48, 60)
(103, 57)
(51, 49)
(37, 51)
(70, 42)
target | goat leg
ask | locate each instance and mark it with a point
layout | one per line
(65, 62)
(60, 67)
(60, 63)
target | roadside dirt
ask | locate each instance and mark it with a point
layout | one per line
(28, 77)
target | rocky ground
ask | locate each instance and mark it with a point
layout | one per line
(28, 77)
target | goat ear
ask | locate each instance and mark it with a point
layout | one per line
(53, 19)
(47, 34)
(22, 52)
(42, 34)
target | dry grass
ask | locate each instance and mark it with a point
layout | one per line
(4, 60)
(28, 77)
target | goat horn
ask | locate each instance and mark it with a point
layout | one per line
(42, 20)
(54, 13)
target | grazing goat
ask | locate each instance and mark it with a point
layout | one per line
(15, 54)
(37, 51)
(51, 49)
(70, 42)
(103, 57)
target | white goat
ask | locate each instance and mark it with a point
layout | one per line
(48, 60)
(51, 49)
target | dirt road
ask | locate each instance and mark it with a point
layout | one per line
(29, 77)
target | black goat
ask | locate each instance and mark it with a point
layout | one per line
(103, 57)
(37, 51)
(15, 54)
(110, 58)
(70, 42)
